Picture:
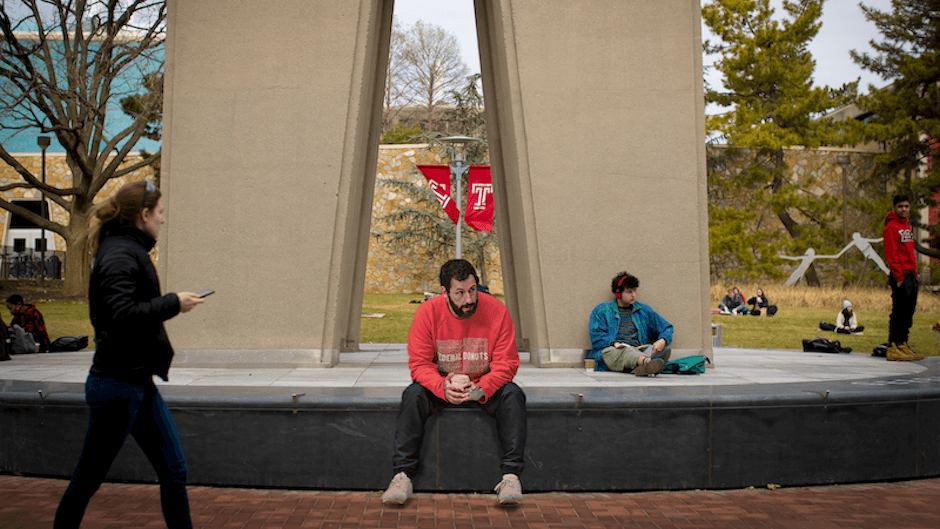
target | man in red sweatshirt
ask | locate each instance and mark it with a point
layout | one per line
(899, 256)
(461, 352)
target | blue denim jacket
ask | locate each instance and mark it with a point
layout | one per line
(605, 321)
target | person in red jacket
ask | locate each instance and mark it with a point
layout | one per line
(899, 256)
(461, 352)
(27, 316)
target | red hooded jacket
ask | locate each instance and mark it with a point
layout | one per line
(899, 246)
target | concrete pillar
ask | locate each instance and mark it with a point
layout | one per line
(595, 122)
(271, 127)
(595, 117)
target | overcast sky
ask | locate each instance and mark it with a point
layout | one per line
(844, 28)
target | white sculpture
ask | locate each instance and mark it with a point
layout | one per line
(864, 245)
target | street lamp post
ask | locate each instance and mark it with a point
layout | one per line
(458, 168)
(43, 142)
(843, 160)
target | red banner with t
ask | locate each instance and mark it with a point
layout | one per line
(479, 209)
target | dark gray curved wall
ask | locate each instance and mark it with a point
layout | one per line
(689, 437)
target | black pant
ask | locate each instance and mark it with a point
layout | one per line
(507, 406)
(903, 304)
(843, 330)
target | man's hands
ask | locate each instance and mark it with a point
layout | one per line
(458, 388)
(654, 349)
(658, 346)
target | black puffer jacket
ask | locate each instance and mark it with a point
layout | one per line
(127, 310)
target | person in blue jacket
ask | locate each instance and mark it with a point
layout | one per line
(627, 335)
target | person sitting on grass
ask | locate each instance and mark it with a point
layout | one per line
(760, 305)
(28, 317)
(733, 303)
(846, 321)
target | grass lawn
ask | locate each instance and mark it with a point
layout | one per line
(64, 318)
(398, 311)
(791, 325)
(785, 330)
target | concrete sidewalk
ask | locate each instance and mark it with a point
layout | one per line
(385, 365)
(27, 503)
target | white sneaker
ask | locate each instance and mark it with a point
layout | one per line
(509, 490)
(399, 490)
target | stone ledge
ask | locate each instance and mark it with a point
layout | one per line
(246, 358)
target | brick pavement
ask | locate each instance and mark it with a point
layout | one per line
(27, 502)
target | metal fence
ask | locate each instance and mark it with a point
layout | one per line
(30, 264)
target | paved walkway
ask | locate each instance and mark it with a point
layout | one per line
(27, 503)
(385, 365)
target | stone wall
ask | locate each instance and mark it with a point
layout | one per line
(412, 269)
(58, 174)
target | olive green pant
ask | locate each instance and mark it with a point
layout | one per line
(624, 358)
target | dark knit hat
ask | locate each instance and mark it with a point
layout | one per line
(900, 198)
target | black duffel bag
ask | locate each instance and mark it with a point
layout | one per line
(68, 344)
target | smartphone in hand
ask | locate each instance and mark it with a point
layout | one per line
(205, 293)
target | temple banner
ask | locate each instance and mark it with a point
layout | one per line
(479, 210)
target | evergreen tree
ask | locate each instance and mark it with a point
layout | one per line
(418, 221)
(767, 83)
(905, 116)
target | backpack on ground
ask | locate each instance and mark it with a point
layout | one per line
(68, 343)
(22, 341)
(687, 365)
(824, 345)
(880, 350)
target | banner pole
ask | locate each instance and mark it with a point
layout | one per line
(458, 168)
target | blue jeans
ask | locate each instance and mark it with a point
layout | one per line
(507, 406)
(118, 409)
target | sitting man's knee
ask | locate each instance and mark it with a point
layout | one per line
(513, 394)
(413, 391)
(416, 396)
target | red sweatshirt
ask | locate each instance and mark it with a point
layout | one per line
(899, 247)
(483, 346)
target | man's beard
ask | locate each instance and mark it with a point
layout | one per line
(458, 311)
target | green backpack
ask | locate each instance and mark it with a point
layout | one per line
(687, 365)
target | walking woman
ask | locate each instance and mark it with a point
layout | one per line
(131, 345)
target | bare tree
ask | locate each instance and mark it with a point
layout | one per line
(431, 67)
(65, 66)
(396, 95)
